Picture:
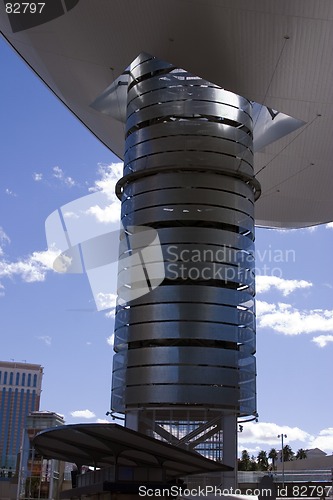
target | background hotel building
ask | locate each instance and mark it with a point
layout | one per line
(20, 389)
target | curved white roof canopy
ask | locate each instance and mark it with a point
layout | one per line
(275, 53)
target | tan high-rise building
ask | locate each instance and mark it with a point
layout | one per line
(20, 389)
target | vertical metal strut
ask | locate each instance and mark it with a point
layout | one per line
(185, 351)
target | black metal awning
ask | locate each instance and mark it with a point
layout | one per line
(103, 445)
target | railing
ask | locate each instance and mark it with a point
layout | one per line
(215, 479)
(304, 476)
(254, 477)
(290, 476)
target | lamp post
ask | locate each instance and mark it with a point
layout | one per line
(282, 456)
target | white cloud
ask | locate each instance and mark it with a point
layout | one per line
(263, 307)
(3, 235)
(102, 421)
(9, 192)
(110, 340)
(83, 414)
(70, 181)
(4, 239)
(108, 177)
(324, 441)
(28, 270)
(284, 318)
(264, 435)
(37, 177)
(46, 258)
(267, 433)
(32, 268)
(265, 283)
(322, 340)
(59, 174)
(329, 225)
(105, 300)
(111, 213)
(46, 339)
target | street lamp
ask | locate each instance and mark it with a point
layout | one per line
(282, 456)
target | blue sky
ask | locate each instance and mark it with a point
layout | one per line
(47, 159)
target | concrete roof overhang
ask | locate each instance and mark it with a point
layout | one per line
(278, 54)
(111, 444)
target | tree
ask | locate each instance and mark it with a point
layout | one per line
(301, 454)
(288, 453)
(244, 463)
(262, 460)
(273, 455)
(253, 463)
